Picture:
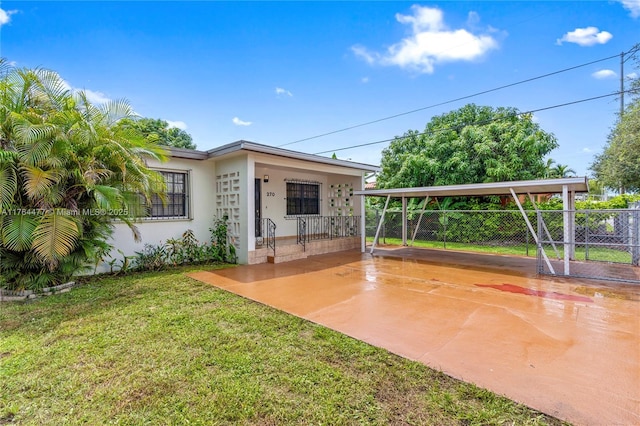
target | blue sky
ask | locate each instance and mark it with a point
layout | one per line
(278, 72)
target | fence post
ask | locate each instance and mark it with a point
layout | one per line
(526, 233)
(540, 247)
(586, 235)
(444, 223)
(635, 237)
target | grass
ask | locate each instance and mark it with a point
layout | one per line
(160, 348)
(600, 254)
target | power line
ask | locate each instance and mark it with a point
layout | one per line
(453, 100)
(479, 122)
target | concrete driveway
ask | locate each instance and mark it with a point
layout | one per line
(568, 348)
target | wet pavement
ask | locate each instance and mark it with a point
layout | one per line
(569, 348)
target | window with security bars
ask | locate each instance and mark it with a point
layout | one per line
(177, 197)
(303, 198)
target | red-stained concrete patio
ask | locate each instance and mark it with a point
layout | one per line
(568, 348)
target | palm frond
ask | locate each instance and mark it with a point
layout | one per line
(55, 236)
(38, 182)
(106, 197)
(36, 147)
(51, 85)
(8, 185)
(17, 232)
(116, 110)
(7, 156)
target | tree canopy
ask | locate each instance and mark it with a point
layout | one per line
(618, 166)
(473, 144)
(159, 132)
(66, 171)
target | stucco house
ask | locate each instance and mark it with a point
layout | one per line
(280, 204)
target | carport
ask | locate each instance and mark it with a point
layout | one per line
(568, 187)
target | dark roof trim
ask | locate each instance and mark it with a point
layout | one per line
(243, 145)
(265, 149)
(190, 154)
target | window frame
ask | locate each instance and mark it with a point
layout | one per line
(180, 200)
(303, 198)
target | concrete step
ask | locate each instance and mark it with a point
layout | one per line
(280, 258)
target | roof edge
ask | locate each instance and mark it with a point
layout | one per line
(243, 145)
(578, 184)
(191, 154)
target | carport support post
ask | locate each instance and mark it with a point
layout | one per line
(415, 231)
(533, 233)
(375, 239)
(567, 225)
(544, 226)
(404, 221)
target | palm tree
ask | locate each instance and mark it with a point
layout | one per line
(561, 171)
(548, 168)
(66, 171)
(557, 170)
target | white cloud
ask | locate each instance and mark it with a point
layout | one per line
(5, 16)
(177, 124)
(363, 53)
(587, 150)
(588, 36)
(364, 80)
(473, 19)
(239, 122)
(431, 42)
(94, 97)
(632, 76)
(633, 6)
(281, 91)
(604, 74)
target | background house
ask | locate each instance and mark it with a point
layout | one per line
(258, 188)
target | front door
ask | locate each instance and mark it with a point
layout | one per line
(258, 195)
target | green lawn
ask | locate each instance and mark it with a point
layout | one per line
(601, 254)
(160, 348)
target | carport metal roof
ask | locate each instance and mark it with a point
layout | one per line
(543, 186)
(565, 186)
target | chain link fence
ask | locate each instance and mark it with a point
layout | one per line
(606, 244)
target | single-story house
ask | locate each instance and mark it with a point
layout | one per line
(280, 204)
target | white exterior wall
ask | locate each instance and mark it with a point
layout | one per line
(225, 185)
(233, 191)
(274, 192)
(157, 231)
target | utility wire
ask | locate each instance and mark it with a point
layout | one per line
(456, 99)
(459, 127)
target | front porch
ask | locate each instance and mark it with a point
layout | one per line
(315, 235)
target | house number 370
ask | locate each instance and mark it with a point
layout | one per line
(271, 194)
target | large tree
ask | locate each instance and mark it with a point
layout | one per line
(618, 166)
(473, 144)
(66, 171)
(159, 132)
